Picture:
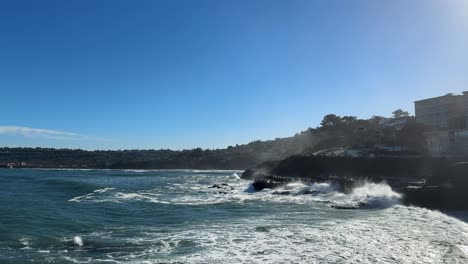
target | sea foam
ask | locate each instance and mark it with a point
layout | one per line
(78, 241)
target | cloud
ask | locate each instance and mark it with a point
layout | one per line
(40, 133)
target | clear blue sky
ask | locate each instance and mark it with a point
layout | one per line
(113, 74)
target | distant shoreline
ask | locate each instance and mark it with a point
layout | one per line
(113, 169)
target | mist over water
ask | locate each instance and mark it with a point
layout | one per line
(139, 216)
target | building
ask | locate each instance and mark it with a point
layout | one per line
(443, 112)
(447, 118)
(438, 142)
(397, 123)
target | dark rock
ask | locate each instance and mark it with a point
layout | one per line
(446, 190)
(223, 186)
(265, 184)
(345, 207)
(397, 171)
(262, 229)
(282, 193)
(360, 205)
(248, 174)
(310, 192)
(426, 196)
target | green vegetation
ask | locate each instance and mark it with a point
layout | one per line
(378, 135)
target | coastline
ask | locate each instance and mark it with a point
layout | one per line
(437, 183)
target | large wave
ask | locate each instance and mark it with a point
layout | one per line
(363, 195)
(368, 195)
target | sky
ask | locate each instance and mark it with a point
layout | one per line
(181, 74)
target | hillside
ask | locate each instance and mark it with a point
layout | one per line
(376, 135)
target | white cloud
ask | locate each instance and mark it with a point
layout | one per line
(38, 132)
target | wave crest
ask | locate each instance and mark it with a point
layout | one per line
(368, 195)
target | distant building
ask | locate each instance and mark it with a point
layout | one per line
(438, 142)
(447, 117)
(443, 112)
(397, 123)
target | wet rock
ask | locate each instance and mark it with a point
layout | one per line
(223, 188)
(265, 184)
(282, 193)
(313, 192)
(220, 186)
(345, 206)
(248, 174)
(262, 229)
(445, 190)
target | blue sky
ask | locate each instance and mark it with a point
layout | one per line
(113, 74)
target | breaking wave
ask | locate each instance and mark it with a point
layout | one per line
(200, 192)
(375, 195)
(78, 241)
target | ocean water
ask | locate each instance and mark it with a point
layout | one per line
(173, 216)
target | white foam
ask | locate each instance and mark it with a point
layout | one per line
(375, 190)
(374, 195)
(195, 191)
(396, 235)
(26, 242)
(463, 249)
(295, 185)
(214, 171)
(309, 233)
(137, 171)
(78, 241)
(103, 190)
(120, 196)
(323, 187)
(90, 196)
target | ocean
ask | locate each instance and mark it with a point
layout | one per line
(175, 216)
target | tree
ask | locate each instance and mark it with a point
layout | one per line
(330, 120)
(349, 119)
(400, 113)
(411, 136)
(376, 120)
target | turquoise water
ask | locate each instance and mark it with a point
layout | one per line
(117, 216)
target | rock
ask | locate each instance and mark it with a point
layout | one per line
(262, 229)
(445, 190)
(345, 206)
(223, 186)
(308, 191)
(248, 174)
(282, 193)
(264, 184)
(426, 196)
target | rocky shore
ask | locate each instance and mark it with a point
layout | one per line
(429, 182)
